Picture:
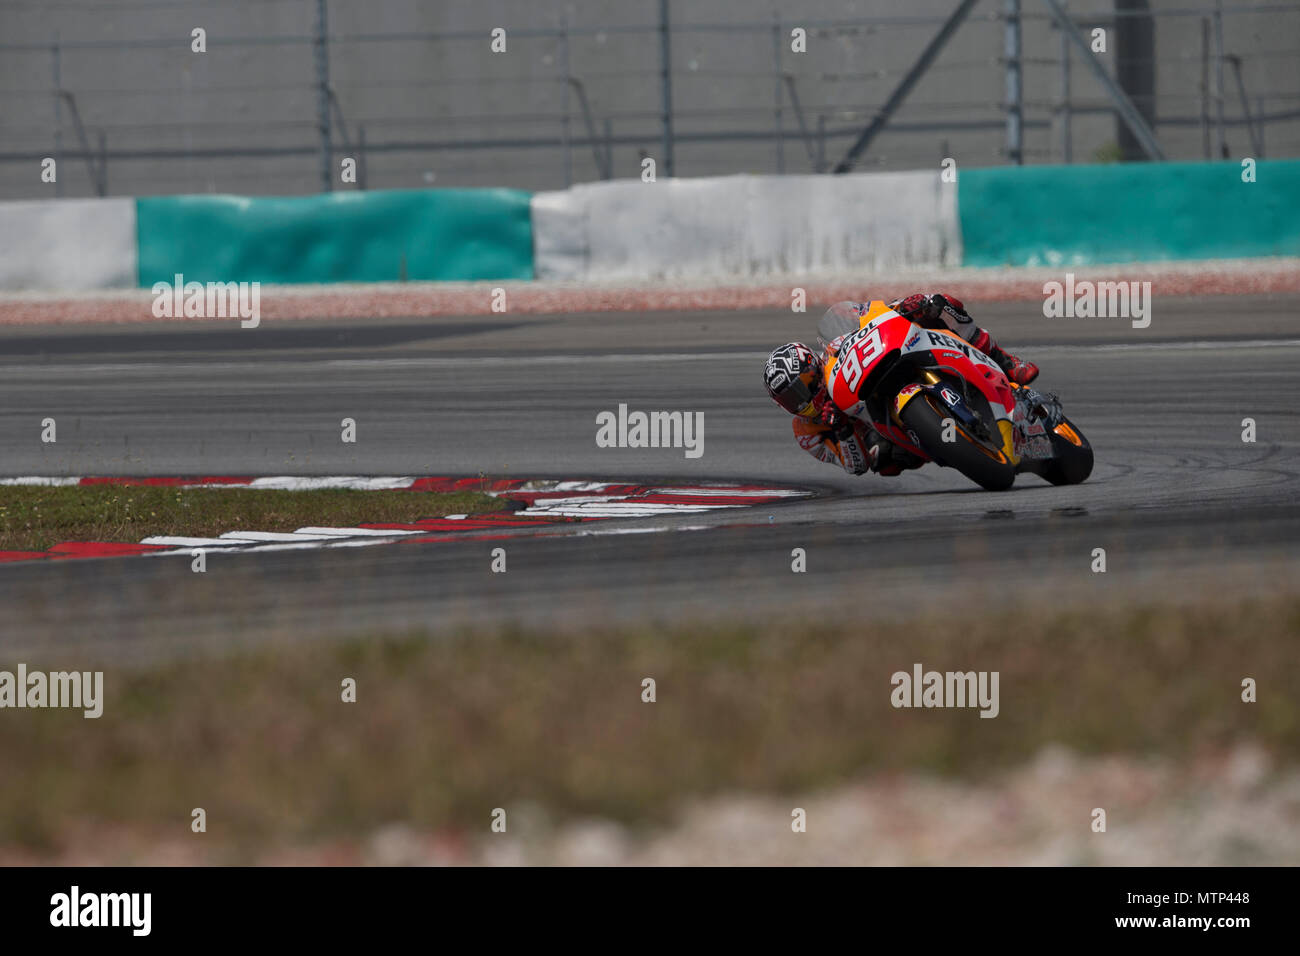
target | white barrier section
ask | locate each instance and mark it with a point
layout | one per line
(742, 226)
(68, 245)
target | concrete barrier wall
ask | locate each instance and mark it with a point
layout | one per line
(733, 227)
(384, 236)
(725, 229)
(67, 245)
(1129, 212)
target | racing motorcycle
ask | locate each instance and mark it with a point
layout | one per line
(931, 393)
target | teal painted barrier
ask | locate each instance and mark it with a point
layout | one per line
(1129, 212)
(381, 236)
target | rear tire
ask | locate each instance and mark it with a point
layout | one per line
(970, 459)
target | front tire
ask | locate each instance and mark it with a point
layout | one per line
(1071, 464)
(973, 460)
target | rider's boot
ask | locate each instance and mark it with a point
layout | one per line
(1017, 369)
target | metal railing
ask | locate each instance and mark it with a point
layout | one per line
(648, 89)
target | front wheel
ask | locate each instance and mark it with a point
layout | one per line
(987, 468)
(1071, 462)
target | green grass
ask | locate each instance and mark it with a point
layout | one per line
(32, 518)
(444, 730)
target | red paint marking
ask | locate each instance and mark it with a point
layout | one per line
(465, 484)
(102, 549)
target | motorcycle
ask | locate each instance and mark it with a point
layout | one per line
(932, 394)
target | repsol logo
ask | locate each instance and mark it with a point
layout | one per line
(952, 343)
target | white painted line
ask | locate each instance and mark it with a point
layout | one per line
(594, 532)
(620, 509)
(726, 493)
(356, 532)
(183, 542)
(52, 482)
(274, 536)
(292, 483)
(358, 542)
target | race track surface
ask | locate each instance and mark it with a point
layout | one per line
(1176, 499)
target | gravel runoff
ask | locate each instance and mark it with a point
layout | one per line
(1241, 809)
(393, 300)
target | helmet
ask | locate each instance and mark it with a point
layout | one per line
(793, 377)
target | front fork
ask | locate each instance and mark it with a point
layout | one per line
(949, 398)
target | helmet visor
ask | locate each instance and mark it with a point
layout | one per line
(796, 398)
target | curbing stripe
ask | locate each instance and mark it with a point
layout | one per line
(562, 504)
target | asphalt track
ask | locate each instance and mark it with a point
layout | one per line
(1177, 499)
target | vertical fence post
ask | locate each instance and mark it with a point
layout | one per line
(1259, 111)
(103, 163)
(56, 64)
(1205, 87)
(361, 156)
(609, 148)
(821, 142)
(564, 84)
(666, 66)
(777, 93)
(1221, 143)
(1067, 147)
(1015, 85)
(321, 50)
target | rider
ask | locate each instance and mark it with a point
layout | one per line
(793, 375)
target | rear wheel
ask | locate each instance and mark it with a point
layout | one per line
(987, 468)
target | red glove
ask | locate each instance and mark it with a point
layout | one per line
(830, 416)
(911, 307)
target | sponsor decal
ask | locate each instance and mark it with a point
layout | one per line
(905, 396)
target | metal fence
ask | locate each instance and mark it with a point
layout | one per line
(287, 89)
